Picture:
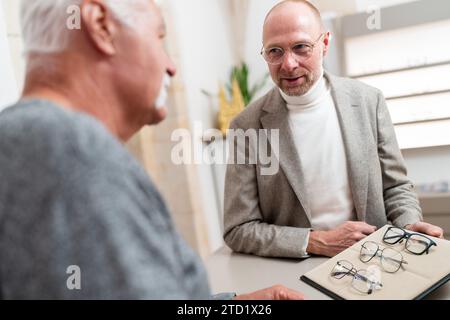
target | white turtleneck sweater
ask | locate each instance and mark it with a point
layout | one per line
(318, 139)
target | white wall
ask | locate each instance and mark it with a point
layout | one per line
(258, 10)
(428, 165)
(205, 51)
(8, 85)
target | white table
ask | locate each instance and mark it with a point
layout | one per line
(232, 272)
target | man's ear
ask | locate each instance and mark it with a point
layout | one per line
(100, 25)
(326, 42)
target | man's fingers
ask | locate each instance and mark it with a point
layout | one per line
(435, 231)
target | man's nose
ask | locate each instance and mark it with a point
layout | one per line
(289, 61)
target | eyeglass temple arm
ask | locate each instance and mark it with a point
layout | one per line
(430, 245)
(349, 271)
(396, 260)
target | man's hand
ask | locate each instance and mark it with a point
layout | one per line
(330, 243)
(426, 228)
(274, 293)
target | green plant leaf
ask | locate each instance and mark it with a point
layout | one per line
(241, 74)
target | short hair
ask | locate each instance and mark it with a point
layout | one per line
(43, 22)
(313, 8)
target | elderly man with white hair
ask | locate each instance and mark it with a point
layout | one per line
(73, 201)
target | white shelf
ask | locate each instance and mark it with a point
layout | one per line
(398, 49)
(437, 195)
(414, 78)
(423, 134)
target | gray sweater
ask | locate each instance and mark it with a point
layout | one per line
(72, 197)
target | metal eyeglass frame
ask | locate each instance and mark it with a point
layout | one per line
(379, 253)
(353, 272)
(311, 45)
(407, 235)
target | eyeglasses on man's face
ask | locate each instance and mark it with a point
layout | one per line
(391, 260)
(415, 243)
(302, 51)
(362, 281)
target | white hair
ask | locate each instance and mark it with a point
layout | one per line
(44, 22)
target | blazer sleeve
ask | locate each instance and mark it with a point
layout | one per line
(400, 201)
(244, 227)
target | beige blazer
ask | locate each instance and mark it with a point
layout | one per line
(268, 215)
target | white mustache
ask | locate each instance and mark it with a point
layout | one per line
(163, 94)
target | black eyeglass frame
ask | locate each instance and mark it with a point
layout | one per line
(407, 235)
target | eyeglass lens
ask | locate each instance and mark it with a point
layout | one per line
(391, 260)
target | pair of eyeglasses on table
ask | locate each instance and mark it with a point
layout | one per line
(415, 243)
(363, 281)
(391, 260)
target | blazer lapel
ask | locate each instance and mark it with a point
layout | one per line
(353, 126)
(277, 118)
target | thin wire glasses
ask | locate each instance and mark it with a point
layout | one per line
(416, 243)
(391, 260)
(362, 281)
(302, 51)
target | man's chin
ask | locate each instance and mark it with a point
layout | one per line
(295, 92)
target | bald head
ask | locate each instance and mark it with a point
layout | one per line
(302, 3)
(303, 12)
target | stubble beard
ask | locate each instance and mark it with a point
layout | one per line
(310, 80)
